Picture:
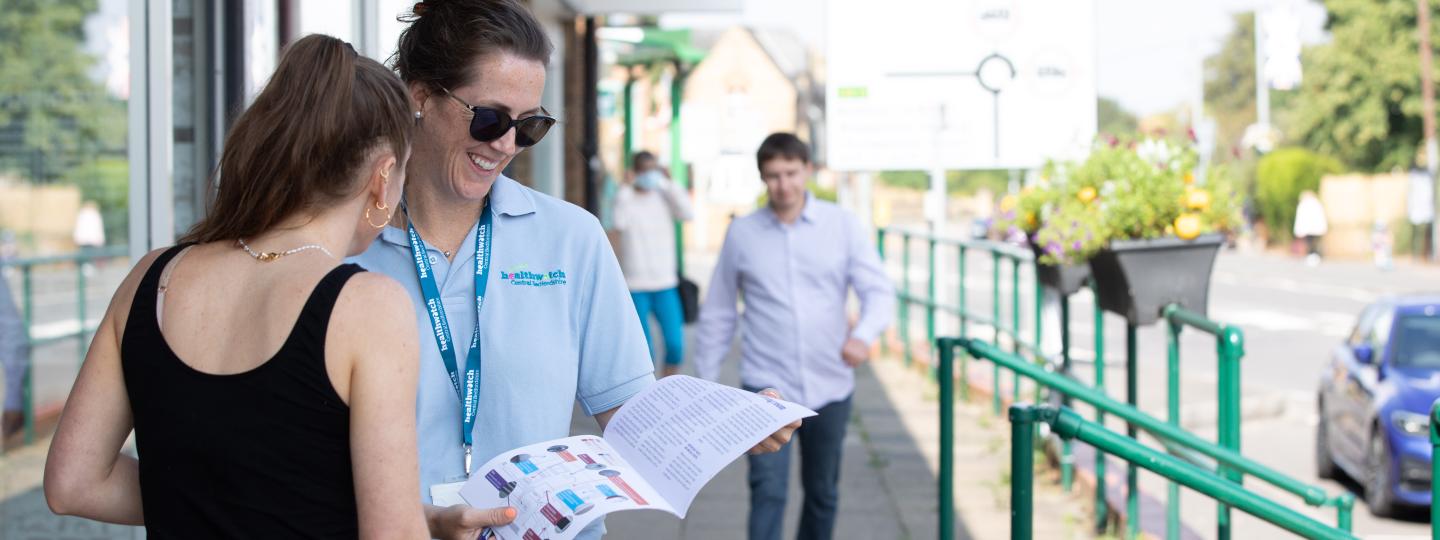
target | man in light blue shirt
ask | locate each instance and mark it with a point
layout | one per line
(794, 263)
(557, 327)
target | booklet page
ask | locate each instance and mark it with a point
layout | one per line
(681, 431)
(558, 487)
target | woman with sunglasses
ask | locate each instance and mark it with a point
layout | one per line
(521, 304)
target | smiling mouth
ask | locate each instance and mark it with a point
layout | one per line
(482, 163)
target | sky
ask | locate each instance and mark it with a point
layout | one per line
(1150, 52)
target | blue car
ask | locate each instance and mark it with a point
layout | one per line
(1374, 403)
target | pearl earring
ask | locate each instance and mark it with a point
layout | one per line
(418, 116)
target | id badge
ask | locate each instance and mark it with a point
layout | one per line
(447, 494)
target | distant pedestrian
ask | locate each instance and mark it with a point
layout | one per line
(795, 262)
(89, 227)
(14, 361)
(1310, 225)
(1383, 245)
(645, 212)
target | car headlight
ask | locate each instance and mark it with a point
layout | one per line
(1411, 423)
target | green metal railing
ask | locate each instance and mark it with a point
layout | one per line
(1435, 470)
(83, 329)
(1069, 425)
(1185, 442)
(1026, 360)
(999, 253)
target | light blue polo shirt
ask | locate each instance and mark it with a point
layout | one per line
(558, 326)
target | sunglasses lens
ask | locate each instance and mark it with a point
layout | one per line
(530, 130)
(488, 124)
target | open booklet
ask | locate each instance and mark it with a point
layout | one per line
(659, 449)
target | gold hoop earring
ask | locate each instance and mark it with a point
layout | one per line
(381, 208)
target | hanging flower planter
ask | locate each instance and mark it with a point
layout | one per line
(1138, 278)
(1067, 279)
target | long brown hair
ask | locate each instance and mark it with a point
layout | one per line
(301, 143)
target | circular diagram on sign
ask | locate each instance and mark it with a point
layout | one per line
(995, 73)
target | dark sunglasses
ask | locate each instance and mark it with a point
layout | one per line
(488, 124)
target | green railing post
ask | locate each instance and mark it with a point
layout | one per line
(1022, 471)
(1067, 423)
(80, 308)
(905, 294)
(1132, 472)
(964, 311)
(1039, 314)
(964, 332)
(1172, 497)
(1230, 348)
(1015, 322)
(27, 386)
(930, 302)
(947, 438)
(1434, 469)
(1067, 465)
(995, 322)
(880, 245)
(1185, 443)
(1344, 504)
(1101, 509)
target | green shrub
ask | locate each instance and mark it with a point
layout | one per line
(1280, 178)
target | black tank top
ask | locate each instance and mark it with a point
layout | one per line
(259, 454)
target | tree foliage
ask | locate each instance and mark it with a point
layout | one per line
(1113, 119)
(1282, 176)
(53, 115)
(1360, 99)
(1230, 87)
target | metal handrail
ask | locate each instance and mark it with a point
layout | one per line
(1069, 425)
(26, 266)
(1312, 495)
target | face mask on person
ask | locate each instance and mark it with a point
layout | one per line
(649, 179)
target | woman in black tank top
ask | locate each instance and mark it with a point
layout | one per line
(271, 389)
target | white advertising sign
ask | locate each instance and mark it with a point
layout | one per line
(959, 84)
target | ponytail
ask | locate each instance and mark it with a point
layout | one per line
(302, 142)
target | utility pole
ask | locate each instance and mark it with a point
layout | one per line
(1427, 95)
(1262, 82)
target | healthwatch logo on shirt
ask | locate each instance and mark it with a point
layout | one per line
(520, 275)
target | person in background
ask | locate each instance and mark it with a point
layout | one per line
(1382, 244)
(646, 209)
(532, 314)
(1310, 225)
(795, 262)
(270, 387)
(14, 362)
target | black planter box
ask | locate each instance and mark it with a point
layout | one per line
(1068, 279)
(1138, 278)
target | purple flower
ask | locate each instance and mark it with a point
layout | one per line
(1053, 248)
(1076, 247)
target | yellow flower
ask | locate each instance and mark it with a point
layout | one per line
(1188, 226)
(1086, 195)
(1197, 199)
(1008, 202)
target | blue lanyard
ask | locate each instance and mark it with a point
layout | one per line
(469, 391)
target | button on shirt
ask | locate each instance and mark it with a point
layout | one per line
(557, 327)
(794, 279)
